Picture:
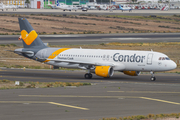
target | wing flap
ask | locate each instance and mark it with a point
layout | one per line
(82, 62)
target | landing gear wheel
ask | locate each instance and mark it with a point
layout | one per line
(153, 78)
(88, 75)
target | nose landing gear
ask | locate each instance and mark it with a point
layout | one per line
(152, 76)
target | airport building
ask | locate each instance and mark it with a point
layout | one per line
(19, 3)
(37, 4)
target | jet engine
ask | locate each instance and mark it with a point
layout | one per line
(104, 71)
(132, 73)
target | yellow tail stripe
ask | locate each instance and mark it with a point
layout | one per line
(28, 38)
(57, 52)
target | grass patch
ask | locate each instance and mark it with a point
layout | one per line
(7, 84)
(149, 116)
(143, 44)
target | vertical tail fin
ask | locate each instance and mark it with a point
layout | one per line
(120, 7)
(29, 35)
(57, 3)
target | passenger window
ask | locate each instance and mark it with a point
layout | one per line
(107, 57)
(104, 57)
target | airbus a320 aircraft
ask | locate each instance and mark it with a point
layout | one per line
(100, 62)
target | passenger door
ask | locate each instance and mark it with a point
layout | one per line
(149, 58)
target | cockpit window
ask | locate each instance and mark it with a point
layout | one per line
(164, 58)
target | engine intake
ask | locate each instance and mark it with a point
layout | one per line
(132, 73)
(104, 71)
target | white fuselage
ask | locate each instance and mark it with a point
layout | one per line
(120, 60)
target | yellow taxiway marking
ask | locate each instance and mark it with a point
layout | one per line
(78, 96)
(53, 103)
(68, 106)
(160, 100)
(143, 92)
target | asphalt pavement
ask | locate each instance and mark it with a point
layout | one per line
(118, 96)
(97, 38)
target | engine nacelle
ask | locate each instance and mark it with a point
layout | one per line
(104, 71)
(132, 73)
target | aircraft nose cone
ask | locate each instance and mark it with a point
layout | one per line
(173, 65)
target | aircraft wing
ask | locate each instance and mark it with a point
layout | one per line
(83, 62)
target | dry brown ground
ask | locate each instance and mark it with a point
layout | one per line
(6, 84)
(94, 24)
(10, 59)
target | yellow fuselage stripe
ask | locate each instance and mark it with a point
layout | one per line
(57, 52)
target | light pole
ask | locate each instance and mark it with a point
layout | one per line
(110, 5)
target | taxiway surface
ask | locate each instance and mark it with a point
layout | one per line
(78, 76)
(118, 96)
(97, 38)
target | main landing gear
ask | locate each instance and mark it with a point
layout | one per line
(88, 75)
(152, 76)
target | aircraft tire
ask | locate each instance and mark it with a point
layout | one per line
(88, 75)
(153, 78)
